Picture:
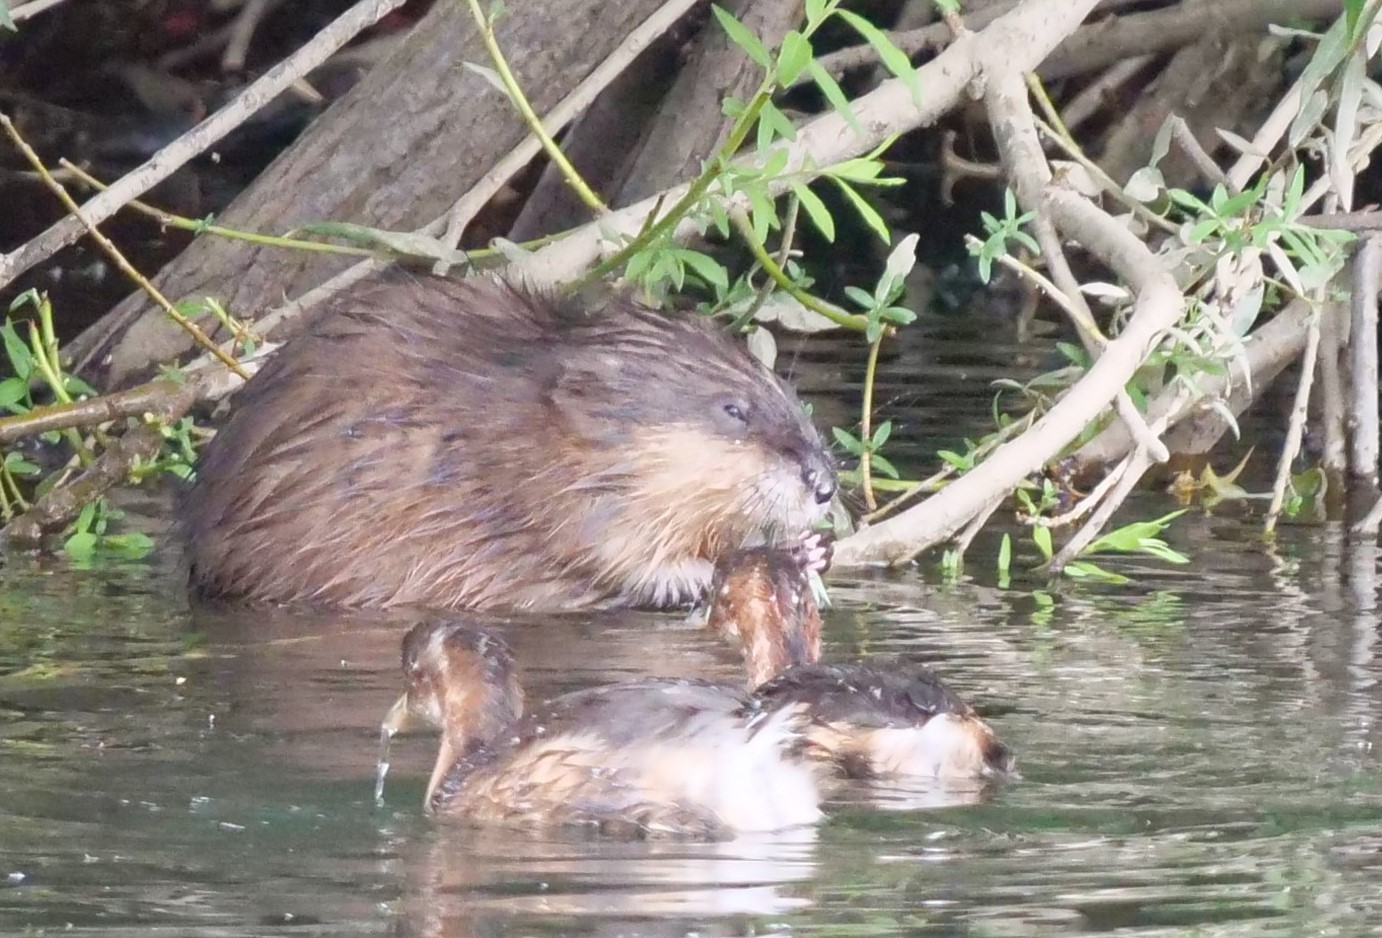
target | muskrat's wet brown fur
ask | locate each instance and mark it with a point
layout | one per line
(467, 444)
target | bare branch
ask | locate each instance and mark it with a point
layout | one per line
(169, 159)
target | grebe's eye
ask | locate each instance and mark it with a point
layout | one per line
(736, 412)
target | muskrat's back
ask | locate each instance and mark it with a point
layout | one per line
(467, 444)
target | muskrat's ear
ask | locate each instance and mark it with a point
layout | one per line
(587, 301)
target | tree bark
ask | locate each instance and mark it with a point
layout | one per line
(654, 128)
(690, 125)
(412, 137)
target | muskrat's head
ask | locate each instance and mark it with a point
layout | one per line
(707, 449)
(458, 680)
(762, 597)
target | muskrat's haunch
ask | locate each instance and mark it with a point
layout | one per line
(467, 444)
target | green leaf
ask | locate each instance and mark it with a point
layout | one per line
(831, 89)
(860, 296)
(952, 458)
(898, 314)
(763, 214)
(1075, 354)
(857, 169)
(849, 441)
(131, 545)
(17, 350)
(1330, 51)
(881, 434)
(793, 57)
(774, 163)
(816, 211)
(815, 12)
(77, 386)
(1005, 554)
(884, 466)
(87, 516)
(489, 75)
(773, 124)
(866, 211)
(1042, 537)
(1353, 11)
(1202, 231)
(1234, 206)
(740, 35)
(705, 267)
(13, 391)
(893, 58)
(987, 252)
(1186, 200)
(638, 265)
(1079, 569)
(80, 546)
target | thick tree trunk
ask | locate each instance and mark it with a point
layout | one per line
(395, 153)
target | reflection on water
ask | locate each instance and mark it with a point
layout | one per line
(1198, 749)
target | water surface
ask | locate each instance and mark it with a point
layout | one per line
(1199, 752)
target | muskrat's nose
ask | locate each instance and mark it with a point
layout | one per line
(821, 482)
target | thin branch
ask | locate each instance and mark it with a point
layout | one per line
(176, 154)
(1296, 429)
(242, 33)
(1367, 272)
(1210, 170)
(1129, 473)
(525, 111)
(966, 537)
(770, 266)
(1095, 96)
(25, 10)
(1019, 39)
(1363, 221)
(1158, 306)
(480, 194)
(1015, 130)
(113, 252)
(1087, 504)
(197, 226)
(1333, 335)
(1121, 37)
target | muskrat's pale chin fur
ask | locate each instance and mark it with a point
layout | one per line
(463, 444)
(690, 499)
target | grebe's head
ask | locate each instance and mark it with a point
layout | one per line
(763, 598)
(460, 681)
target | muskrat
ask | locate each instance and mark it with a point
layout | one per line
(652, 756)
(466, 443)
(869, 720)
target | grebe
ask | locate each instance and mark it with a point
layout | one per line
(655, 757)
(869, 720)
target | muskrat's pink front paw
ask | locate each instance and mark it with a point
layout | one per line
(814, 552)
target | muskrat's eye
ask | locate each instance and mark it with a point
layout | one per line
(730, 414)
